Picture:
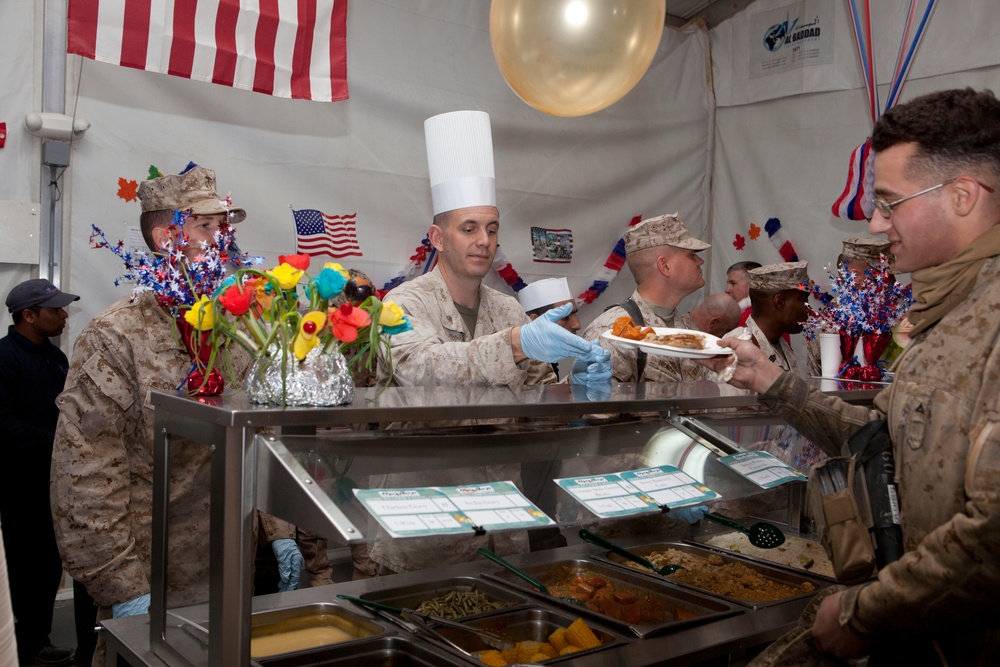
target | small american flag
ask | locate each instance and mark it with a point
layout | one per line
(317, 233)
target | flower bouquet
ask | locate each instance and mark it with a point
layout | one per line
(298, 340)
(861, 308)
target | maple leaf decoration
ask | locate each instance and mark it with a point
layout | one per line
(754, 232)
(153, 173)
(126, 189)
(739, 242)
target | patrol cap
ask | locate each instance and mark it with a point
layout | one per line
(543, 293)
(775, 277)
(661, 230)
(865, 248)
(460, 160)
(38, 293)
(193, 191)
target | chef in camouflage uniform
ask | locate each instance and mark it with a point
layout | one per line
(664, 261)
(937, 168)
(465, 333)
(779, 294)
(102, 459)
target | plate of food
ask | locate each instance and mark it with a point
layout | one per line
(667, 342)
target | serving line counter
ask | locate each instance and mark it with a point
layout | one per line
(302, 464)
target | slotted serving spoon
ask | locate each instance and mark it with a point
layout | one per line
(497, 640)
(594, 538)
(527, 577)
(760, 534)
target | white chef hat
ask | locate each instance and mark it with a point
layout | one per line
(460, 160)
(544, 292)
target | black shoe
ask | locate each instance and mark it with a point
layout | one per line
(51, 656)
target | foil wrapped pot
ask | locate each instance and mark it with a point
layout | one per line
(321, 379)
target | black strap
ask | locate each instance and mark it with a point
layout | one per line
(632, 308)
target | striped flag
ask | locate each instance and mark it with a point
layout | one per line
(317, 233)
(285, 48)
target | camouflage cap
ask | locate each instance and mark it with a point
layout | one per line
(192, 192)
(865, 248)
(661, 230)
(774, 277)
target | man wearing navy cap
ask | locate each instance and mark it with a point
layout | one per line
(32, 374)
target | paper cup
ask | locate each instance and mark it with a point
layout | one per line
(829, 354)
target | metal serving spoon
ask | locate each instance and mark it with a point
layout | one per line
(760, 534)
(527, 577)
(594, 538)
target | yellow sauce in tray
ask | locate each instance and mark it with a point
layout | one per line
(276, 643)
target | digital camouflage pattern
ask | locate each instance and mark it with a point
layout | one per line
(661, 230)
(102, 459)
(623, 362)
(781, 354)
(943, 410)
(776, 277)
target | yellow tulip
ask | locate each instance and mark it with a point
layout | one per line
(308, 336)
(391, 315)
(286, 275)
(201, 315)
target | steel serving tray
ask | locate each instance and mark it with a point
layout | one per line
(529, 625)
(414, 595)
(314, 616)
(682, 607)
(388, 651)
(797, 569)
(780, 575)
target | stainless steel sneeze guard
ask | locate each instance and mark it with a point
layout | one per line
(251, 466)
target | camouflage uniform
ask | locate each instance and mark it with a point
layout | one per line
(944, 418)
(102, 460)
(440, 352)
(781, 355)
(623, 365)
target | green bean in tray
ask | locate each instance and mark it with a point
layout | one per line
(458, 604)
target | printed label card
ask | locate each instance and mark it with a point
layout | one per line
(636, 491)
(763, 469)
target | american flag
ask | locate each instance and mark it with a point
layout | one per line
(285, 48)
(317, 233)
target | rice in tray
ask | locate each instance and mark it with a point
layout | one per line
(796, 552)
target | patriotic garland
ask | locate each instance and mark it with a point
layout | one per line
(780, 241)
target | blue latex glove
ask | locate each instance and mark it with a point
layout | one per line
(544, 340)
(133, 607)
(691, 514)
(290, 563)
(594, 371)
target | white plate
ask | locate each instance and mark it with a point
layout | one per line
(711, 348)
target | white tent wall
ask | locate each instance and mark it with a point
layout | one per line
(20, 31)
(783, 142)
(646, 155)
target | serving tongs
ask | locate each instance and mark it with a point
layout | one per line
(425, 623)
(593, 538)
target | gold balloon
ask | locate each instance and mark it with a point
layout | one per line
(574, 57)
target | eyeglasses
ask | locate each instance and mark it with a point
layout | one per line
(885, 207)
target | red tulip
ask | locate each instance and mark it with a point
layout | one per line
(300, 262)
(236, 299)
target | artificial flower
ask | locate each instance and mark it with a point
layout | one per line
(331, 280)
(236, 299)
(264, 294)
(308, 336)
(391, 315)
(286, 275)
(300, 262)
(346, 320)
(201, 316)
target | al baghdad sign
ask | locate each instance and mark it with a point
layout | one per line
(791, 37)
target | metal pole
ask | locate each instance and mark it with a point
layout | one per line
(53, 100)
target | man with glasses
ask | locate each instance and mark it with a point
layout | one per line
(937, 164)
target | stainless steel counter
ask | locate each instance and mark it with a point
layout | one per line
(246, 474)
(732, 636)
